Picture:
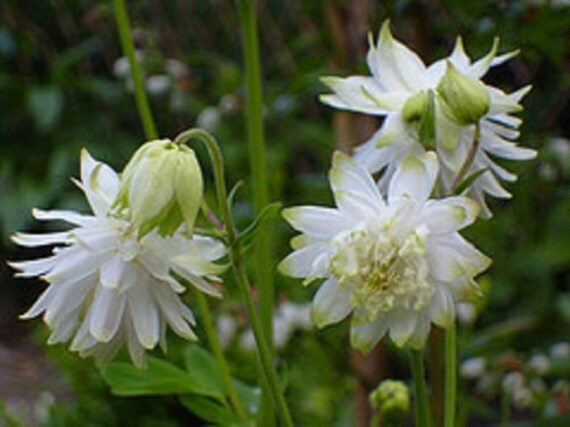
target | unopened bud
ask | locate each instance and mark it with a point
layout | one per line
(161, 188)
(466, 99)
(392, 401)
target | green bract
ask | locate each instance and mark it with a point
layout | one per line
(161, 187)
(467, 100)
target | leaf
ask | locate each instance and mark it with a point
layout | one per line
(466, 183)
(268, 214)
(45, 105)
(203, 367)
(250, 396)
(209, 410)
(158, 378)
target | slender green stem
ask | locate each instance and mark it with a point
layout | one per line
(257, 158)
(421, 401)
(236, 259)
(214, 342)
(129, 51)
(450, 375)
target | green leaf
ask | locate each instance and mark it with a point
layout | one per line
(203, 367)
(267, 215)
(209, 410)
(466, 183)
(250, 396)
(158, 378)
(45, 105)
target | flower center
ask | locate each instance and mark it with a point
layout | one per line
(383, 272)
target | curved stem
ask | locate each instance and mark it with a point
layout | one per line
(450, 375)
(128, 46)
(236, 259)
(214, 342)
(421, 401)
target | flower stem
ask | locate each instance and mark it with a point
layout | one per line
(450, 375)
(242, 279)
(421, 401)
(128, 46)
(214, 342)
(257, 158)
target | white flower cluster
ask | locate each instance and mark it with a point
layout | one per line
(108, 285)
(390, 256)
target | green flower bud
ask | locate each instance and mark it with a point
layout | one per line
(161, 187)
(466, 100)
(415, 107)
(391, 400)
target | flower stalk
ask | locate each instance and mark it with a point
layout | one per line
(128, 47)
(214, 342)
(236, 259)
(421, 400)
(450, 375)
(257, 157)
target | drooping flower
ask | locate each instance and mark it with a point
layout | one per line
(161, 188)
(407, 94)
(107, 287)
(397, 265)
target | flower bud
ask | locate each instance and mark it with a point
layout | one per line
(161, 187)
(466, 99)
(392, 401)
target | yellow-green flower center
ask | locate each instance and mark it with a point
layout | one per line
(382, 272)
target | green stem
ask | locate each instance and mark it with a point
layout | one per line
(214, 342)
(257, 158)
(450, 375)
(128, 46)
(506, 409)
(236, 259)
(421, 401)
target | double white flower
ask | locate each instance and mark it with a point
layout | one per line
(106, 287)
(398, 77)
(397, 265)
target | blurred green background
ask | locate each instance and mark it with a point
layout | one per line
(64, 85)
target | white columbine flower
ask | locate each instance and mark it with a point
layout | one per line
(106, 287)
(397, 265)
(402, 89)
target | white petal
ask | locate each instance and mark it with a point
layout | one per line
(361, 94)
(41, 304)
(144, 314)
(198, 282)
(304, 262)
(174, 311)
(458, 57)
(393, 65)
(111, 272)
(331, 304)
(442, 307)
(449, 214)
(316, 221)
(365, 335)
(354, 189)
(32, 240)
(99, 182)
(67, 216)
(402, 325)
(480, 68)
(419, 337)
(106, 313)
(34, 267)
(414, 178)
